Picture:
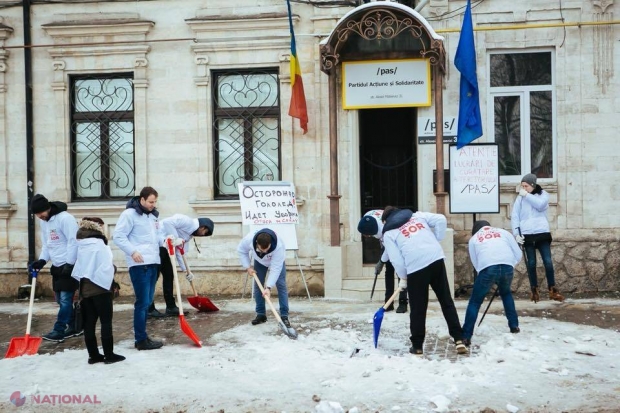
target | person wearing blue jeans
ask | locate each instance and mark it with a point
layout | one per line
(139, 234)
(268, 253)
(261, 272)
(544, 247)
(65, 313)
(531, 229)
(494, 253)
(58, 232)
(143, 279)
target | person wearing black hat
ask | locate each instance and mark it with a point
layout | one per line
(494, 253)
(370, 225)
(530, 227)
(181, 228)
(58, 231)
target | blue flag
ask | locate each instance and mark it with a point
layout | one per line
(470, 122)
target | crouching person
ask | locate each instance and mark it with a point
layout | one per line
(94, 269)
(494, 254)
(268, 253)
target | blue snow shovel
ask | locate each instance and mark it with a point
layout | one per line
(378, 318)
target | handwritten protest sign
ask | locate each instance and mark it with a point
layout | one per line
(264, 203)
(474, 179)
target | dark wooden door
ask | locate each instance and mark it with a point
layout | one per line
(388, 171)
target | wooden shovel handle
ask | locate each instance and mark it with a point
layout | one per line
(262, 290)
(188, 271)
(392, 298)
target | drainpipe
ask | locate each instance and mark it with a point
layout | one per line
(421, 5)
(29, 127)
(334, 198)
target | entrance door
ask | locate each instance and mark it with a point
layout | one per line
(387, 164)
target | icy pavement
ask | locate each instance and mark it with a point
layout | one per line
(551, 366)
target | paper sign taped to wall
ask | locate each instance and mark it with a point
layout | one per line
(271, 202)
(474, 179)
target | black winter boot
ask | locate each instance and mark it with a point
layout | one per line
(96, 358)
(402, 306)
(259, 319)
(113, 358)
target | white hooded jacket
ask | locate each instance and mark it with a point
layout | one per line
(180, 226)
(273, 260)
(57, 237)
(139, 232)
(415, 244)
(530, 214)
(493, 246)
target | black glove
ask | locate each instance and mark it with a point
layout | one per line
(38, 264)
(379, 267)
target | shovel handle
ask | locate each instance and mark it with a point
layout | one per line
(392, 298)
(262, 290)
(188, 271)
(33, 289)
(173, 260)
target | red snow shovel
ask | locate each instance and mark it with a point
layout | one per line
(26, 345)
(202, 304)
(378, 318)
(184, 326)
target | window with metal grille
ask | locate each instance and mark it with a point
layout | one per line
(522, 104)
(246, 128)
(102, 137)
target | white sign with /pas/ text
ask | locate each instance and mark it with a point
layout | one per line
(386, 84)
(474, 178)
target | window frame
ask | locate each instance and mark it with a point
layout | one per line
(86, 117)
(524, 93)
(240, 113)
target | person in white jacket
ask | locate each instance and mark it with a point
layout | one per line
(412, 243)
(139, 234)
(58, 230)
(181, 228)
(94, 270)
(494, 254)
(531, 229)
(371, 226)
(268, 253)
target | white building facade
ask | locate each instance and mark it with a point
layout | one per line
(192, 97)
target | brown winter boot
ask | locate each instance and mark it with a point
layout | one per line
(535, 295)
(555, 295)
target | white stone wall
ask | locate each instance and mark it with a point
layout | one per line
(173, 112)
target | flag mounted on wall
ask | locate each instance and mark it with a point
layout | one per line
(298, 108)
(470, 121)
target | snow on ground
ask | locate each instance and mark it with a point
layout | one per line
(550, 366)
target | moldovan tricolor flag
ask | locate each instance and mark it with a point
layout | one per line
(298, 108)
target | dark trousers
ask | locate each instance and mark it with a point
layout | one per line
(417, 285)
(167, 275)
(98, 307)
(389, 284)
